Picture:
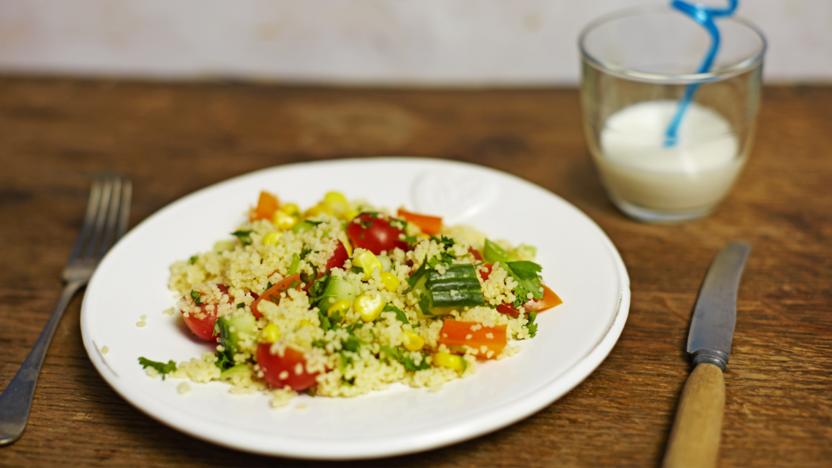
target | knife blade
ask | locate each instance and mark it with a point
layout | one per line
(694, 439)
(715, 312)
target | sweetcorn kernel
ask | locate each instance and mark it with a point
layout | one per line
(271, 238)
(449, 361)
(369, 306)
(270, 333)
(283, 221)
(368, 262)
(390, 282)
(290, 208)
(340, 306)
(412, 341)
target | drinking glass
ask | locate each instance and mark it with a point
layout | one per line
(636, 66)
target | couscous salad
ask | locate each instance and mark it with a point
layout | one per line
(345, 298)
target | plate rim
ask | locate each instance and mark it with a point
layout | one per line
(517, 409)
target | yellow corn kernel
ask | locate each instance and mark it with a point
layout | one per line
(412, 341)
(340, 306)
(283, 221)
(390, 282)
(342, 236)
(449, 361)
(290, 208)
(271, 238)
(270, 333)
(368, 262)
(368, 306)
(337, 203)
(317, 210)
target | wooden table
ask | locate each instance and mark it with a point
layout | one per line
(172, 139)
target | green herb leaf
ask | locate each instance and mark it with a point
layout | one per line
(163, 368)
(294, 266)
(527, 276)
(196, 296)
(224, 362)
(241, 305)
(400, 315)
(326, 324)
(418, 274)
(225, 358)
(493, 253)
(531, 325)
(404, 359)
(244, 236)
(193, 259)
(352, 343)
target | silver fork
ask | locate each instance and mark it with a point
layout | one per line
(108, 209)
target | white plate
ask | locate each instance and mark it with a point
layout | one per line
(578, 260)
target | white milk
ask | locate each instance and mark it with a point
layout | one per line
(691, 176)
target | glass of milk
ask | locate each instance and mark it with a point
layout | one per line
(636, 65)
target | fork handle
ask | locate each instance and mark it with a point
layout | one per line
(16, 399)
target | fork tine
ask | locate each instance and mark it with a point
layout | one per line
(108, 229)
(118, 212)
(100, 217)
(124, 209)
(93, 204)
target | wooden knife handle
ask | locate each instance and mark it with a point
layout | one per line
(694, 440)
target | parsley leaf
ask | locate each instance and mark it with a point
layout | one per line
(223, 361)
(195, 295)
(225, 358)
(531, 325)
(400, 315)
(409, 364)
(193, 259)
(243, 235)
(163, 368)
(527, 276)
(351, 343)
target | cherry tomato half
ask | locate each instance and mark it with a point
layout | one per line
(339, 256)
(202, 322)
(279, 371)
(375, 233)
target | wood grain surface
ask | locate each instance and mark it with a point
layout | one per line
(172, 139)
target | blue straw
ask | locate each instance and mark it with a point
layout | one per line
(705, 17)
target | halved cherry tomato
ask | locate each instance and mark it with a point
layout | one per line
(456, 334)
(202, 322)
(281, 371)
(375, 233)
(339, 256)
(548, 301)
(267, 204)
(273, 293)
(427, 223)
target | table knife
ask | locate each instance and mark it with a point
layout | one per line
(694, 439)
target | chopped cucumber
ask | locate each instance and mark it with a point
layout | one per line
(455, 288)
(336, 289)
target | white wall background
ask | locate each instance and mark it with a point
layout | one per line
(357, 41)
